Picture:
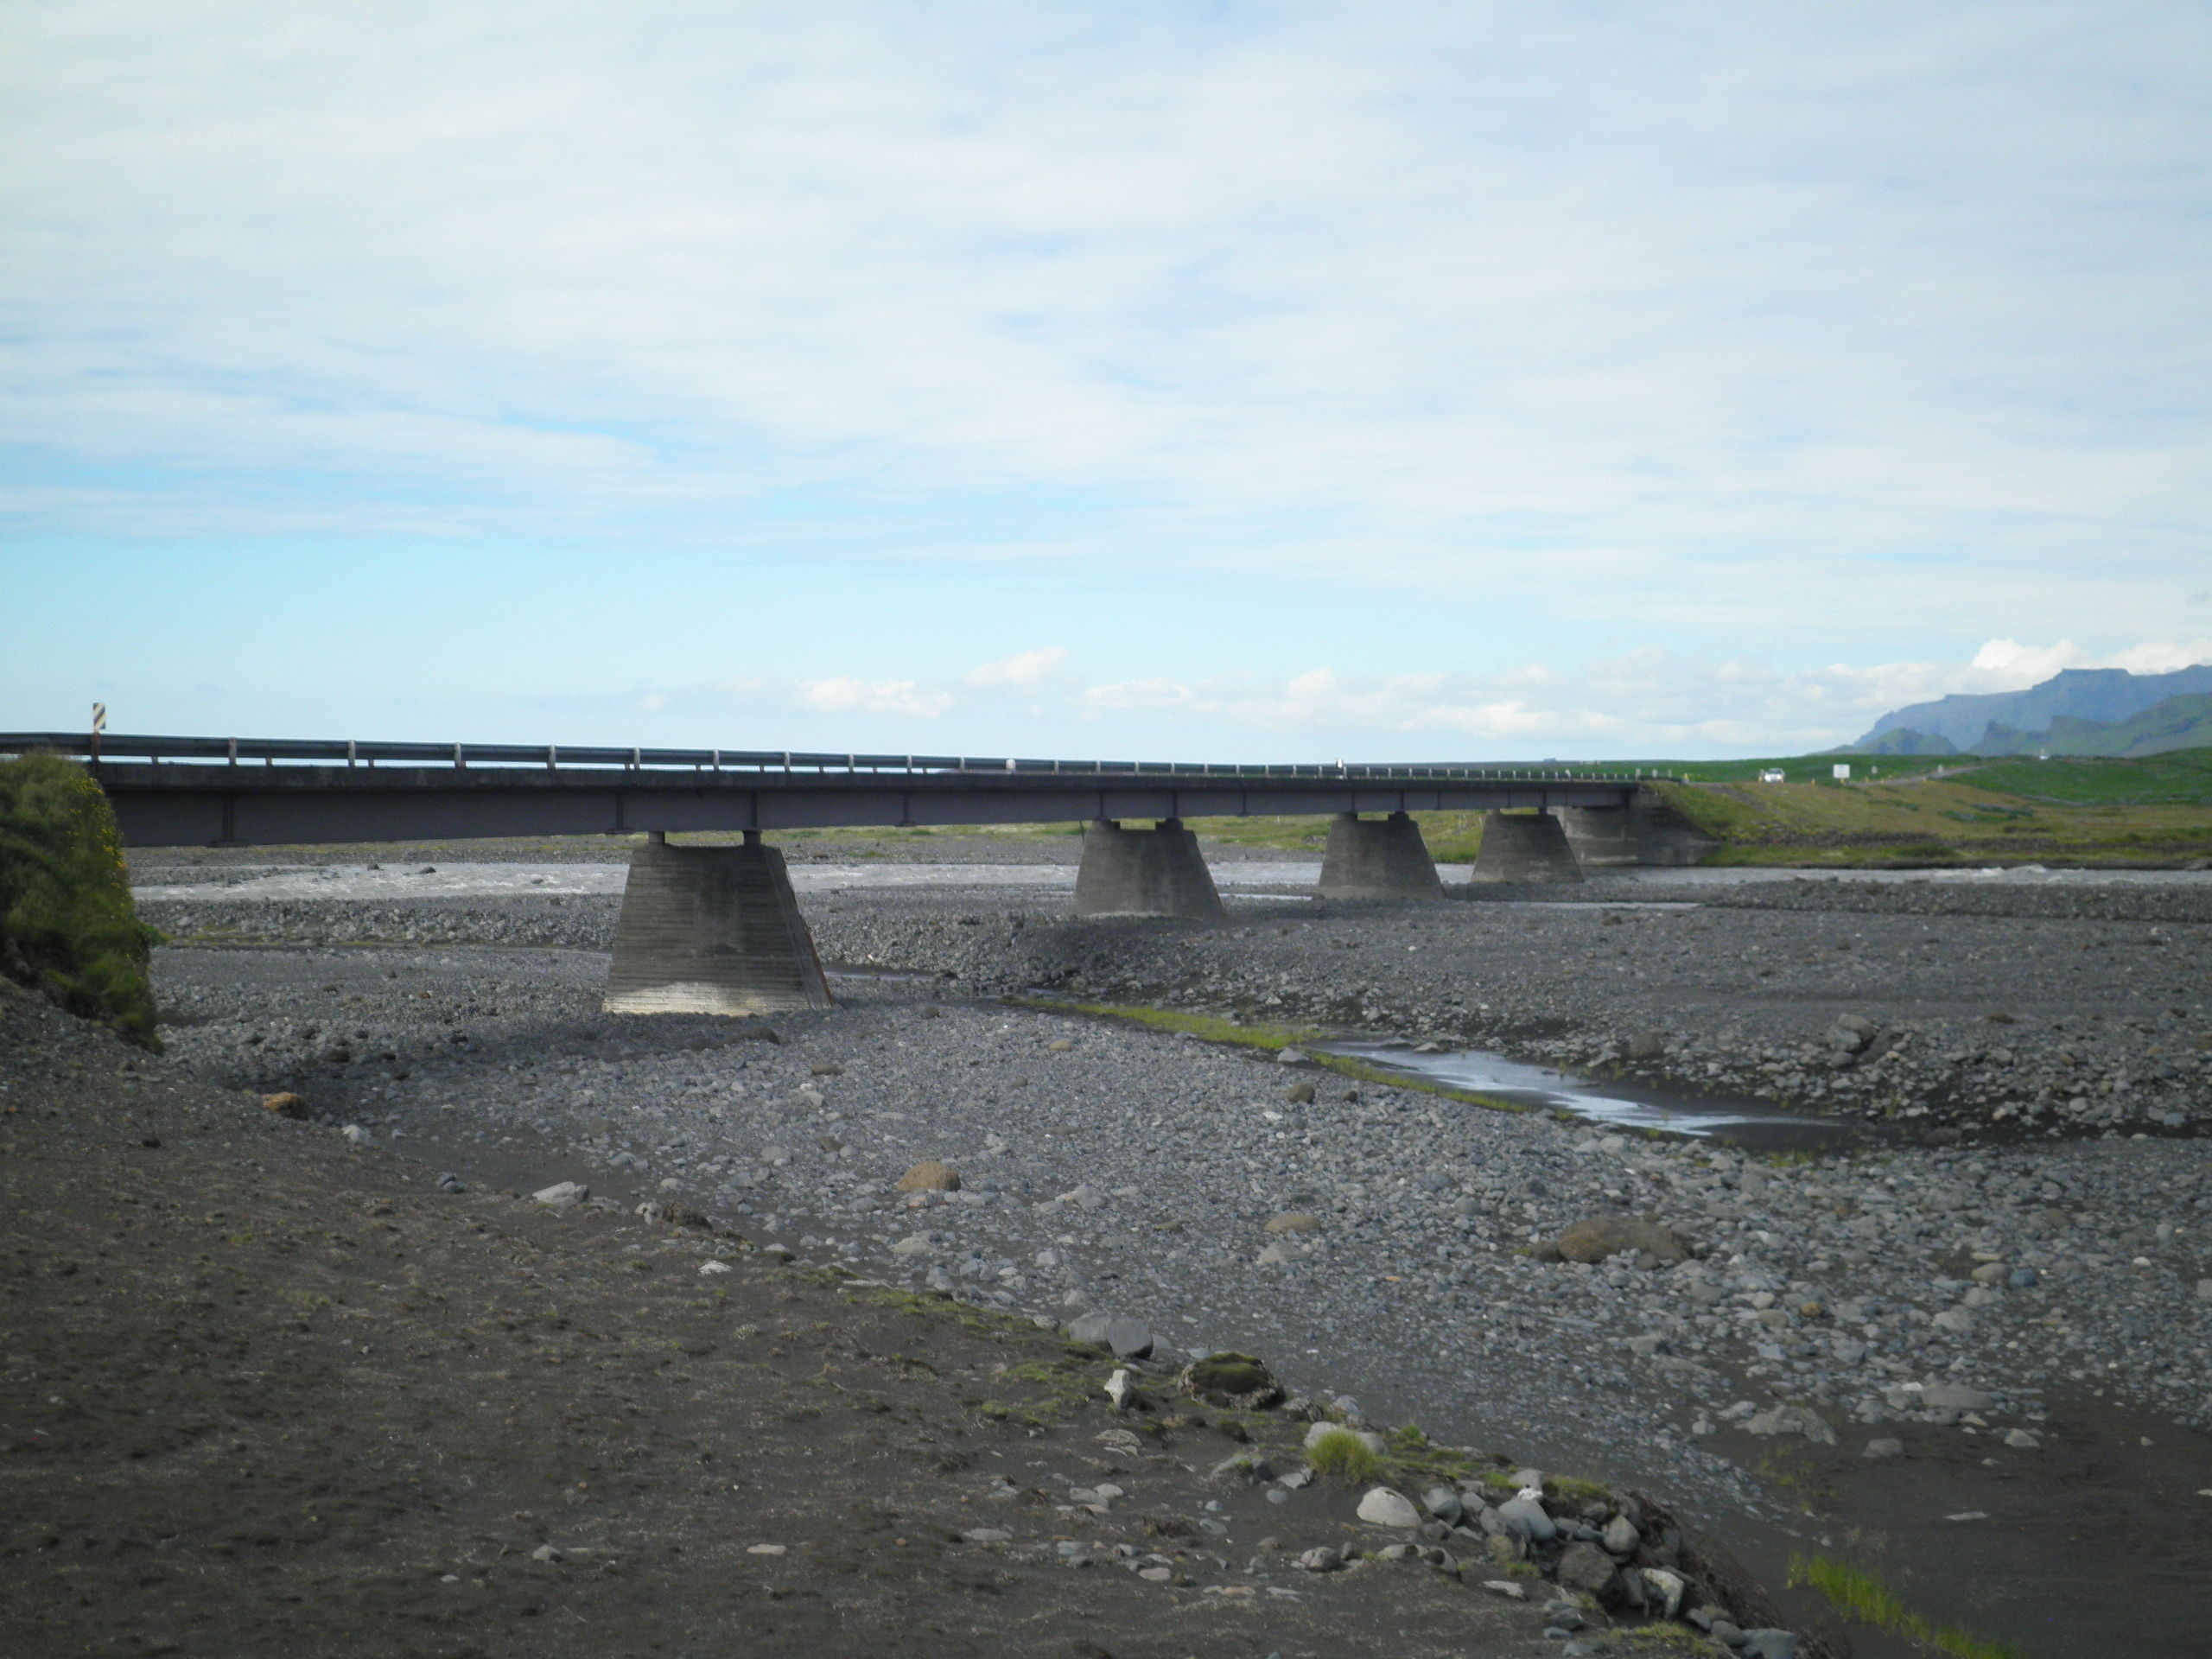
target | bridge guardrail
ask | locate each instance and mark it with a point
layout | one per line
(352, 752)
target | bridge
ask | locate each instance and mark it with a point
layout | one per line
(716, 928)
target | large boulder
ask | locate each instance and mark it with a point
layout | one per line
(1231, 1379)
(1384, 1508)
(1596, 1237)
(1128, 1338)
(1955, 1397)
(1792, 1420)
(1585, 1566)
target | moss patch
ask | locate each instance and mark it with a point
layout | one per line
(66, 924)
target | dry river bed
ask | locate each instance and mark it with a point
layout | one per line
(1859, 1350)
(264, 1391)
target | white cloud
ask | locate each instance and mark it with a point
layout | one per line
(2008, 665)
(2161, 657)
(1746, 325)
(1024, 668)
(847, 695)
(1649, 701)
(2012, 666)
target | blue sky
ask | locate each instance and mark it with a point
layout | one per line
(1285, 381)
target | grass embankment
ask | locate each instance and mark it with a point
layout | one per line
(2152, 811)
(66, 924)
(1862, 1596)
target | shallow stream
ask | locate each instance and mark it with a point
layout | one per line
(1609, 1102)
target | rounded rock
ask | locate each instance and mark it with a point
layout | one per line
(1382, 1507)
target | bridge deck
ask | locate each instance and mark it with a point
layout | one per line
(198, 792)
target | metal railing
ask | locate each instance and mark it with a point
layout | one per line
(269, 752)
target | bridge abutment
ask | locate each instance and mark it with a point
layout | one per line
(1518, 847)
(1603, 837)
(1649, 829)
(1377, 858)
(712, 929)
(1144, 872)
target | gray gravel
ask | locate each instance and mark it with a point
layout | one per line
(1789, 992)
(1177, 1154)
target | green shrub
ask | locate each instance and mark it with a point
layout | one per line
(67, 924)
(1340, 1455)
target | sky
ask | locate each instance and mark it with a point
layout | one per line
(1376, 381)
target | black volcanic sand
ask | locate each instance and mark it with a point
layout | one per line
(2095, 1545)
(267, 1393)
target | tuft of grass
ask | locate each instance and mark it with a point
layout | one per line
(1790, 1160)
(1580, 1492)
(67, 922)
(1213, 1028)
(1340, 1455)
(1858, 1594)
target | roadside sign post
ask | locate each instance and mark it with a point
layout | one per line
(100, 725)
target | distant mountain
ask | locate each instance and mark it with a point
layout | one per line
(1904, 741)
(2176, 723)
(2106, 695)
(2183, 722)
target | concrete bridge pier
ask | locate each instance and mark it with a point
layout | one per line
(1649, 829)
(712, 929)
(1603, 837)
(1144, 873)
(1519, 847)
(1377, 858)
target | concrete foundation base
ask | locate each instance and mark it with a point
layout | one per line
(1602, 836)
(712, 929)
(1377, 858)
(1649, 830)
(1521, 848)
(1144, 873)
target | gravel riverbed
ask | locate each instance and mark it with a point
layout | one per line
(1969, 1307)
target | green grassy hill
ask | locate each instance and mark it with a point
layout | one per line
(2156, 810)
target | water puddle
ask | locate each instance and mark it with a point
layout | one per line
(1606, 1101)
